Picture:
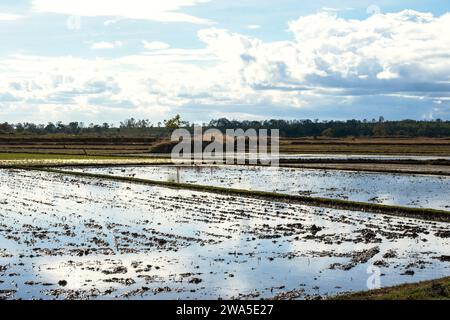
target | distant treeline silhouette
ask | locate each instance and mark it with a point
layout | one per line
(288, 128)
(349, 128)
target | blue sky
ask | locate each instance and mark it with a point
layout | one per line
(103, 61)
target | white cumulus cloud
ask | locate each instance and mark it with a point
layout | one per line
(379, 63)
(155, 45)
(9, 16)
(106, 45)
(404, 52)
(254, 26)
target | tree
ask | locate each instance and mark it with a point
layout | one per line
(328, 132)
(128, 123)
(74, 127)
(50, 128)
(173, 123)
(379, 130)
(6, 128)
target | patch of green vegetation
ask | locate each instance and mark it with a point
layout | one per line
(428, 290)
(420, 213)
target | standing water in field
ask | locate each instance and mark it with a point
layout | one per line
(78, 238)
(386, 188)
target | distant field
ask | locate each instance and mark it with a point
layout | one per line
(419, 146)
(371, 141)
(39, 156)
(107, 146)
(86, 146)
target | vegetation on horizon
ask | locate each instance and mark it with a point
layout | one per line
(288, 128)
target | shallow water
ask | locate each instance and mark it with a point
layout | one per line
(66, 237)
(361, 157)
(385, 188)
(318, 156)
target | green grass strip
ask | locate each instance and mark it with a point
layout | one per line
(421, 213)
(428, 290)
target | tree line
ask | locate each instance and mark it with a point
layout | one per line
(349, 128)
(288, 128)
(131, 125)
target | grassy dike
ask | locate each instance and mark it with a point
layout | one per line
(429, 290)
(421, 213)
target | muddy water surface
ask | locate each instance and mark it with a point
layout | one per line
(65, 237)
(385, 188)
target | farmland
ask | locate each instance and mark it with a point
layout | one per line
(386, 146)
(117, 145)
(96, 221)
(67, 145)
(211, 158)
(67, 237)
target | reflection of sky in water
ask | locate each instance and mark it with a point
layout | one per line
(361, 156)
(317, 156)
(386, 188)
(223, 240)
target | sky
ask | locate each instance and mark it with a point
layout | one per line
(107, 60)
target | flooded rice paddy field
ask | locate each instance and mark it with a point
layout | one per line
(64, 237)
(359, 157)
(424, 191)
(321, 156)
